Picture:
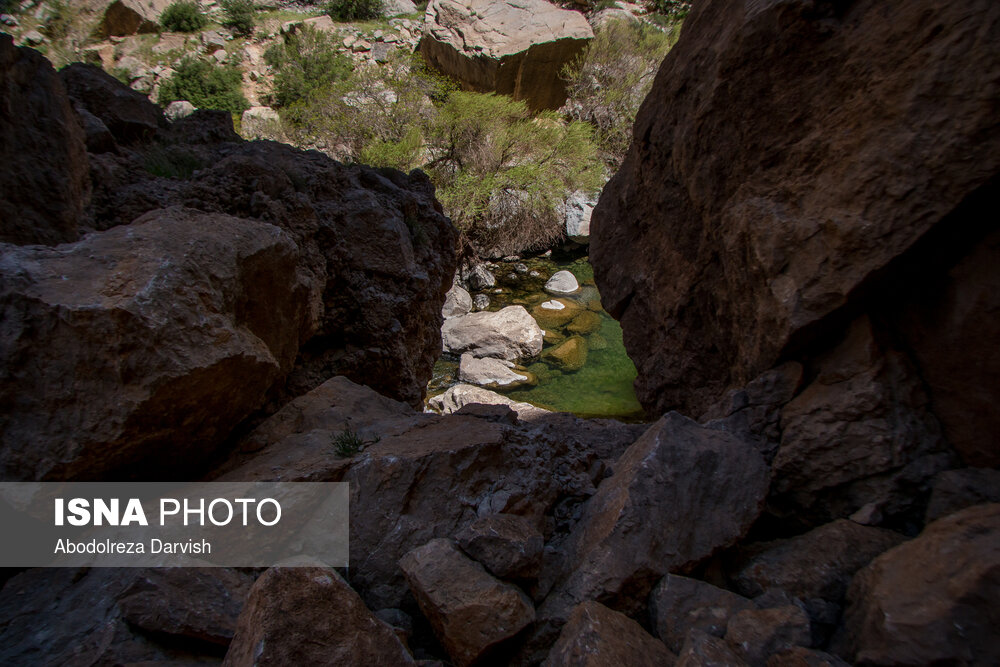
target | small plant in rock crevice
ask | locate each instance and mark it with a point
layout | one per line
(347, 443)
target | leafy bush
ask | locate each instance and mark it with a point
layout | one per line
(170, 162)
(239, 15)
(609, 81)
(502, 174)
(354, 10)
(304, 63)
(376, 115)
(206, 86)
(677, 9)
(183, 16)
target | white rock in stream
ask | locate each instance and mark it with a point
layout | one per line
(485, 372)
(456, 303)
(562, 282)
(461, 395)
(577, 211)
(553, 305)
(511, 333)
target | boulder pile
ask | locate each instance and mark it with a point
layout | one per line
(801, 247)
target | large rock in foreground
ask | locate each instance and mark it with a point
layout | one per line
(44, 170)
(933, 600)
(596, 636)
(513, 47)
(116, 616)
(705, 488)
(470, 611)
(310, 616)
(788, 158)
(144, 344)
(424, 476)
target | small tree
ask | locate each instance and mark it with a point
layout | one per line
(354, 10)
(501, 174)
(206, 86)
(239, 16)
(609, 81)
(183, 16)
(304, 63)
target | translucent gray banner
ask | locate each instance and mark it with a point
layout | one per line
(159, 524)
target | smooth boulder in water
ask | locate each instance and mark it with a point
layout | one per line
(562, 282)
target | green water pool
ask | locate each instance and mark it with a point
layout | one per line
(602, 387)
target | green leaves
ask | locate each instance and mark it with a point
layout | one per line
(183, 16)
(501, 173)
(354, 10)
(239, 16)
(305, 63)
(206, 86)
(610, 80)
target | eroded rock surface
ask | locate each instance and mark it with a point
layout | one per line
(935, 598)
(44, 171)
(512, 48)
(470, 611)
(678, 604)
(740, 223)
(704, 486)
(86, 616)
(596, 635)
(508, 545)
(310, 616)
(182, 320)
(818, 564)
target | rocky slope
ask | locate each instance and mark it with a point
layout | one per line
(278, 267)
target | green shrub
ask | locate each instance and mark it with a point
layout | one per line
(59, 21)
(354, 10)
(609, 81)
(170, 162)
(676, 9)
(502, 174)
(239, 16)
(304, 63)
(206, 86)
(183, 16)
(377, 115)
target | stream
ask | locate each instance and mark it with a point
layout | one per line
(602, 387)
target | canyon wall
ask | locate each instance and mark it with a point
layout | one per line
(799, 166)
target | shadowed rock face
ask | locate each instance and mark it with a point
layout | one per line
(54, 616)
(515, 48)
(310, 616)
(46, 180)
(142, 343)
(932, 599)
(219, 277)
(789, 161)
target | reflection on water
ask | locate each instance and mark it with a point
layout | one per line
(602, 387)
